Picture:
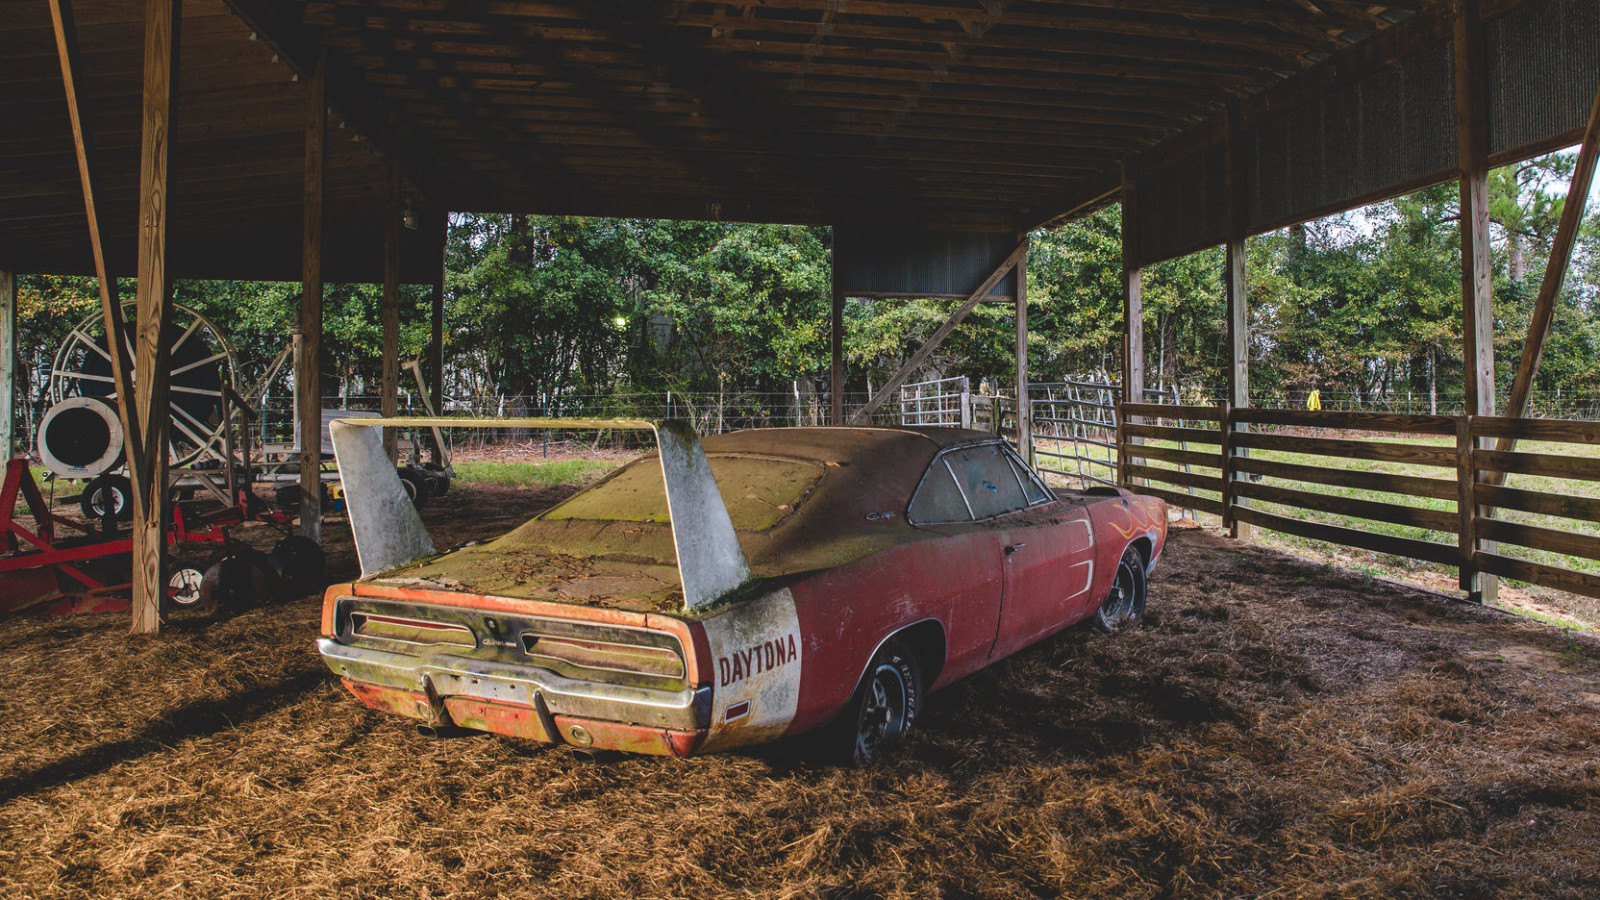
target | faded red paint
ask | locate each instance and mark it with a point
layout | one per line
(602, 735)
(855, 578)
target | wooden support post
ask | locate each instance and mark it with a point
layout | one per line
(1132, 322)
(152, 508)
(920, 357)
(110, 303)
(1555, 273)
(836, 330)
(8, 363)
(1024, 401)
(1238, 315)
(436, 333)
(308, 367)
(1466, 498)
(389, 400)
(1227, 427)
(1477, 300)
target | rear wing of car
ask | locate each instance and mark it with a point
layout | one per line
(389, 532)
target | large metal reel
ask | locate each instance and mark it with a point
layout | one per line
(202, 362)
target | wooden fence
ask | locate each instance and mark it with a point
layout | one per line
(1199, 457)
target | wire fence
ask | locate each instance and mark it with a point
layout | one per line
(710, 413)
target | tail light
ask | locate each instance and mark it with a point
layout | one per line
(410, 631)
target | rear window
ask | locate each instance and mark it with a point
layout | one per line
(759, 492)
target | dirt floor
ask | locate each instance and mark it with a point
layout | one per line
(1278, 728)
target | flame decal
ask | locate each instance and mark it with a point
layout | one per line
(1141, 519)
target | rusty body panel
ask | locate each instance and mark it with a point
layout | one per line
(572, 628)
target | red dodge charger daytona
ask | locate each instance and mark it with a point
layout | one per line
(827, 578)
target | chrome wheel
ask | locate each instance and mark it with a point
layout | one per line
(883, 711)
(1124, 603)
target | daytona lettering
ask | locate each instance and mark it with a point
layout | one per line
(742, 664)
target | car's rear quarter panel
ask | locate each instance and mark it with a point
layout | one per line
(846, 613)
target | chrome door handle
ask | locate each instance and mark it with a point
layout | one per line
(1012, 548)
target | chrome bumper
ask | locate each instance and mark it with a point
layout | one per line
(453, 676)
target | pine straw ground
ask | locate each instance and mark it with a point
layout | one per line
(1278, 728)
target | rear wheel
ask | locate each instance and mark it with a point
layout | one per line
(883, 708)
(1124, 605)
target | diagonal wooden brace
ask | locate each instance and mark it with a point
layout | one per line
(920, 358)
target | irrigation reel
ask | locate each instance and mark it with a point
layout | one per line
(60, 564)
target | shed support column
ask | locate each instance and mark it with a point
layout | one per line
(152, 511)
(1132, 323)
(1477, 327)
(308, 368)
(836, 330)
(1238, 315)
(1024, 401)
(8, 363)
(436, 333)
(389, 402)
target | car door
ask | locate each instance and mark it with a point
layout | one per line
(1049, 567)
(964, 563)
(1046, 548)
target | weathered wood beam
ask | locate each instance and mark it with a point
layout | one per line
(1061, 32)
(389, 398)
(110, 303)
(920, 357)
(436, 324)
(8, 364)
(1477, 297)
(152, 508)
(836, 339)
(1132, 323)
(1237, 288)
(1024, 398)
(1555, 273)
(308, 367)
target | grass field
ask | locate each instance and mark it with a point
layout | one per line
(531, 474)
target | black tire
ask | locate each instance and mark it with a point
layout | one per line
(881, 711)
(300, 560)
(1124, 604)
(417, 484)
(112, 488)
(239, 581)
(441, 481)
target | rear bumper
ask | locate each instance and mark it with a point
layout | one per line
(522, 701)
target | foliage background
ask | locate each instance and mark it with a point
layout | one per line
(1363, 305)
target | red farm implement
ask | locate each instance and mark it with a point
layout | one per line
(59, 565)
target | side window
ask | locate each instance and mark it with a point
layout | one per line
(938, 500)
(987, 479)
(1031, 488)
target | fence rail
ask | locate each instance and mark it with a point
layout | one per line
(1472, 521)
